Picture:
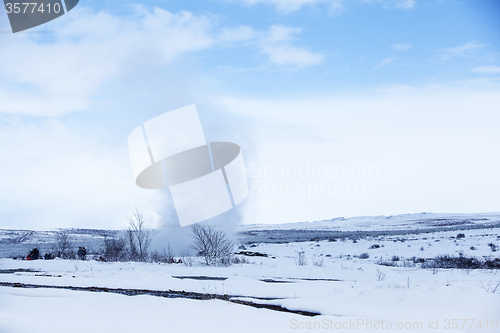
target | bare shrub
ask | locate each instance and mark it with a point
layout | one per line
(408, 264)
(318, 262)
(417, 260)
(62, 246)
(300, 259)
(166, 256)
(446, 261)
(379, 275)
(212, 244)
(364, 256)
(240, 260)
(115, 249)
(139, 238)
(187, 259)
(387, 263)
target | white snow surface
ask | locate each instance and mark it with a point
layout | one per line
(334, 282)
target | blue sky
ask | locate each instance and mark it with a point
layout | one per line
(409, 88)
(419, 40)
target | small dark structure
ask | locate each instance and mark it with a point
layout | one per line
(33, 255)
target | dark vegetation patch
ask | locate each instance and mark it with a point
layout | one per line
(447, 262)
(442, 222)
(285, 236)
(275, 281)
(388, 263)
(252, 254)
(461, 262)
(202, 278)
(18, 270)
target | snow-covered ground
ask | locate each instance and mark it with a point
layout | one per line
(348, 293)
(393, 222)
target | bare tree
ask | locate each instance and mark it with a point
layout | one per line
(131, 243)
(139, 238)
(63, 245)
(212, 244)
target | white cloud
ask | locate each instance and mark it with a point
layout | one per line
(288, 6)
(427, 143)
(465, 50)
(240, 33)
(89, 50)
(336, 6)
(276, 44)
(487, 70)
(57, 173)
(66, 176)
(281, 33)
(384, 62)
(389, 4)
(288, 55)
(402, 46)
(406, 4)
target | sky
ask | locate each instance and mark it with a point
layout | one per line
(341, 107)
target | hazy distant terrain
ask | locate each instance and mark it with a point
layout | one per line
(369, 226)
(17, 243)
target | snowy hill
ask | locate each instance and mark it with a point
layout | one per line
(392, 222)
